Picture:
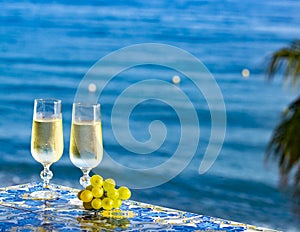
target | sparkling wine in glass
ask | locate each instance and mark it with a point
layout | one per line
(86, 149)
(46, 141)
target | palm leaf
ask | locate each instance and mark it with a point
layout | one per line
(286, 60)
(284, 144)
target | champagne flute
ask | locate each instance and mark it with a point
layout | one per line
(86, 149)
(46, 141)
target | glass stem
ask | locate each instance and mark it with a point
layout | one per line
(46, 175)
(85, 179)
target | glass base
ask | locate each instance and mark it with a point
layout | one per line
(44, 195)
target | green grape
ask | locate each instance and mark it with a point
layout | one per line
(87, 205)
(107, 203)
(96, 203)
(96, 180)
(124, 193)
(90, 187)
(113, 193)
(109, 184)
(86, 196)
(97, 191)
(117, 203)
(79, 193)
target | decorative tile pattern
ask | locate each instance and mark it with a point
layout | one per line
(18, 212)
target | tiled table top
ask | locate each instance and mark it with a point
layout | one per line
(20, 213)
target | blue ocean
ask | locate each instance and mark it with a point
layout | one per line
(47, 47)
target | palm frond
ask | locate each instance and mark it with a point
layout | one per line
(297, 66)
(286, 60)
(276, 62)
(284, 144)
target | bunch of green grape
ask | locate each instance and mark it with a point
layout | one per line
(103, 194)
